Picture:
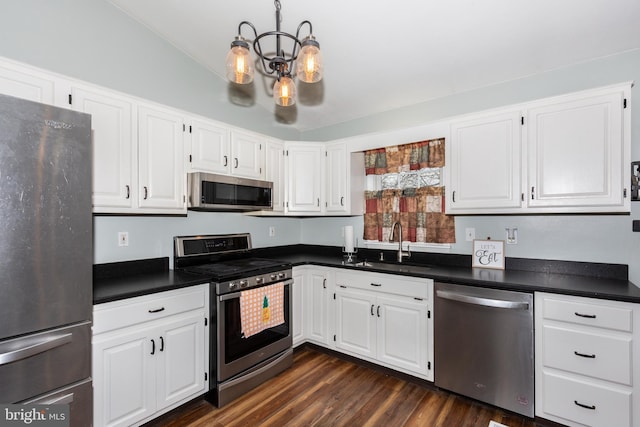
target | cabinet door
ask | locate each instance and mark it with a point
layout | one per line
(124, 378)
(316, 309)
(246, 155)
(298, 305)
(162, 182)
(209, 147)
(576, 152)
(485, 163)
(336, 183)
(114, 154)
(356, 322)
(403, 333)
(304, 177)
(274, 172)
(27, 84)
(182, 368)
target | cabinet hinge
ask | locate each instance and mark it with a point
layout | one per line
(206, 321)
(206, 376)
(428, 314)
(522, 120)
(70, 99)
(429, 365)
(334, 337)
(624, 103)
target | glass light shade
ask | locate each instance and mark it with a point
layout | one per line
(309, 64)
(284, 92)
(240, 66)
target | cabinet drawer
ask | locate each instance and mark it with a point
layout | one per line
(399, 285)
(601, 315)
(603, 406)
(120, 314)
(596, 355)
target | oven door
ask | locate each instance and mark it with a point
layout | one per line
(235, 353)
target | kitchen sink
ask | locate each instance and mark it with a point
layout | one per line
(391, 266)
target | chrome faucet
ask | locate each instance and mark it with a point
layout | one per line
(401, 254)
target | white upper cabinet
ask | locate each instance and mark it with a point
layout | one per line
(344, 183)
(209, 147)
(215, 148)
(26, 83)
(304, 177)
(114, 146)
(162, 183)
(565, 154)
(484, 162)
(577, 153)
(274, 172)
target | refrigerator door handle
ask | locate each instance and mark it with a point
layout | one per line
(33, 348)
(65, 399)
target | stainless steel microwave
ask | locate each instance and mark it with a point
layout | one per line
(212, 192)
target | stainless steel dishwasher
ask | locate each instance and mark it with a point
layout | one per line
(484, 345)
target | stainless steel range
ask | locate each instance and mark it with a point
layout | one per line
(239, 361)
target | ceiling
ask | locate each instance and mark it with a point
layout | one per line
(383, 55)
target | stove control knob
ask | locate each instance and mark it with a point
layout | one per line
(243, 283)
(259, 280)
(281, 275)
(273, 277)
(232, 286)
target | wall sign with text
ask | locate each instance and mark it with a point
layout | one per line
(488, 254)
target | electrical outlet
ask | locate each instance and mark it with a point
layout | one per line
(272, 231)
(123, 238)
(469, 234)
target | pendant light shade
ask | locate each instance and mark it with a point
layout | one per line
(284, 91)
(240, 68)
(309, 63)
(303, 58)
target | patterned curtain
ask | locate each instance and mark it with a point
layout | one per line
(404, 183)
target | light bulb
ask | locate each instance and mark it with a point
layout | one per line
(309, 63)
(240, 67)
(284, 92)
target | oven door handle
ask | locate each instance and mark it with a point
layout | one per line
(235, 295)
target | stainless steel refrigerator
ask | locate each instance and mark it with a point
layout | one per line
(46, 257)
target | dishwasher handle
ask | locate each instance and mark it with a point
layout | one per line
(485, 302)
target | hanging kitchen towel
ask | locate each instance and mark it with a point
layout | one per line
(261, 308)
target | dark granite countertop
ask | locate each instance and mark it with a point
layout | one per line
(128, 279)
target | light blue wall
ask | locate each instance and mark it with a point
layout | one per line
(93, 41)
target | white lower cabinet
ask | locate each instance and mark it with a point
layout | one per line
(150, 354)
(386, 319)
(298, 304)
(587, 361)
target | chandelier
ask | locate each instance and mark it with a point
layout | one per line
(304, 53)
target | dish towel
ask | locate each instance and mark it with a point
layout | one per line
(261, 308)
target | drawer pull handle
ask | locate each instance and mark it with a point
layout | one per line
(157, 310)
(582, 405)
(588, 316)
(376, 284)
(372, 309)
(589, 356)
(161, 344)
(153, 347)
(378, 311)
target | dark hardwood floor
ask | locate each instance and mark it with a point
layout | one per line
(322, 390)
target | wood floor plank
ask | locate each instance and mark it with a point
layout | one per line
(322, 390)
